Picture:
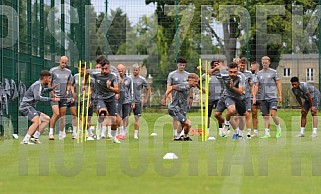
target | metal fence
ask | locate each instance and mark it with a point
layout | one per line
(154, 33)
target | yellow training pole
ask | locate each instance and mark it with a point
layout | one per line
(78, 104)
(83, 109)
(88, 98)
(201, 94)
(206, 101)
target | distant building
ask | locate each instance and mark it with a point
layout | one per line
(128, 61)
(304, 66)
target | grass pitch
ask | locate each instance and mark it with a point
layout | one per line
(287, 165)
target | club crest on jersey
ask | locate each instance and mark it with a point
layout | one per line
(126, 83)
(176, 79)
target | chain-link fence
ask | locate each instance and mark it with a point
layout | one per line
(154, 33)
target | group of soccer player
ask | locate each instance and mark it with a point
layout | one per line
(113, 95)
(240, 92)
(106, 90)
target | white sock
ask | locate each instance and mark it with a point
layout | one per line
(302, 130)
(117, 131)
(175, 133)
(226, 122)
(249, 131)
(256, 131)
(51, 131)
(64, 130)
(103, 131)
(90, 131)
(98, 125)
(36, 135)
(125, 130)
(236, 131)
(27, 137)
(60, 132)
(241, 133)
(267, 131)
(109, 131)
(74, 129)
(121, 130)
(278, 127)
(314, 130)
(220, 130)
(136, 133)
(98, 131)
(208, 131)
(113, 133)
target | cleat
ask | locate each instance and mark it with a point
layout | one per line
(90, 139)
(255, 135)
(26, 143)
(265, 136)
(235, 136)
(178, 139)
(300, 135)
(187, 139)
(211, 138)
(35, 140)
(225, 130)
(121, 137)
(115, 140)
(135, 137)
(278, 134)
(51, 136)
(61, 137)
(248, 135)
(314, 135)
(64, 135)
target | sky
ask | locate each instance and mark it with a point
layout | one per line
(133, 8)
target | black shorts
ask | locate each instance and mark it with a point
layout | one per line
(125, 110)
(267, 105)
(138, 109)
(178, 115)
(220, 107)
(61, 103)
(110, 104)
(240, 105)
(29, 112)
(315, 103)
(89, 109)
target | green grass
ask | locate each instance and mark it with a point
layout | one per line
(287, 165)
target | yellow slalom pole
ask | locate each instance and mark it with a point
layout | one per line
(78, 104)
(83, 111)
(88, 98)
(201, 94)
(206, 101)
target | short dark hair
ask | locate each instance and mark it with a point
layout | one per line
(243, 60)
(100, 58)
(82, 65)
(181, 60)
(44, 73)
(104, 62)
(214, 63)
(232, 65)
(294, 79)
(254, 62)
